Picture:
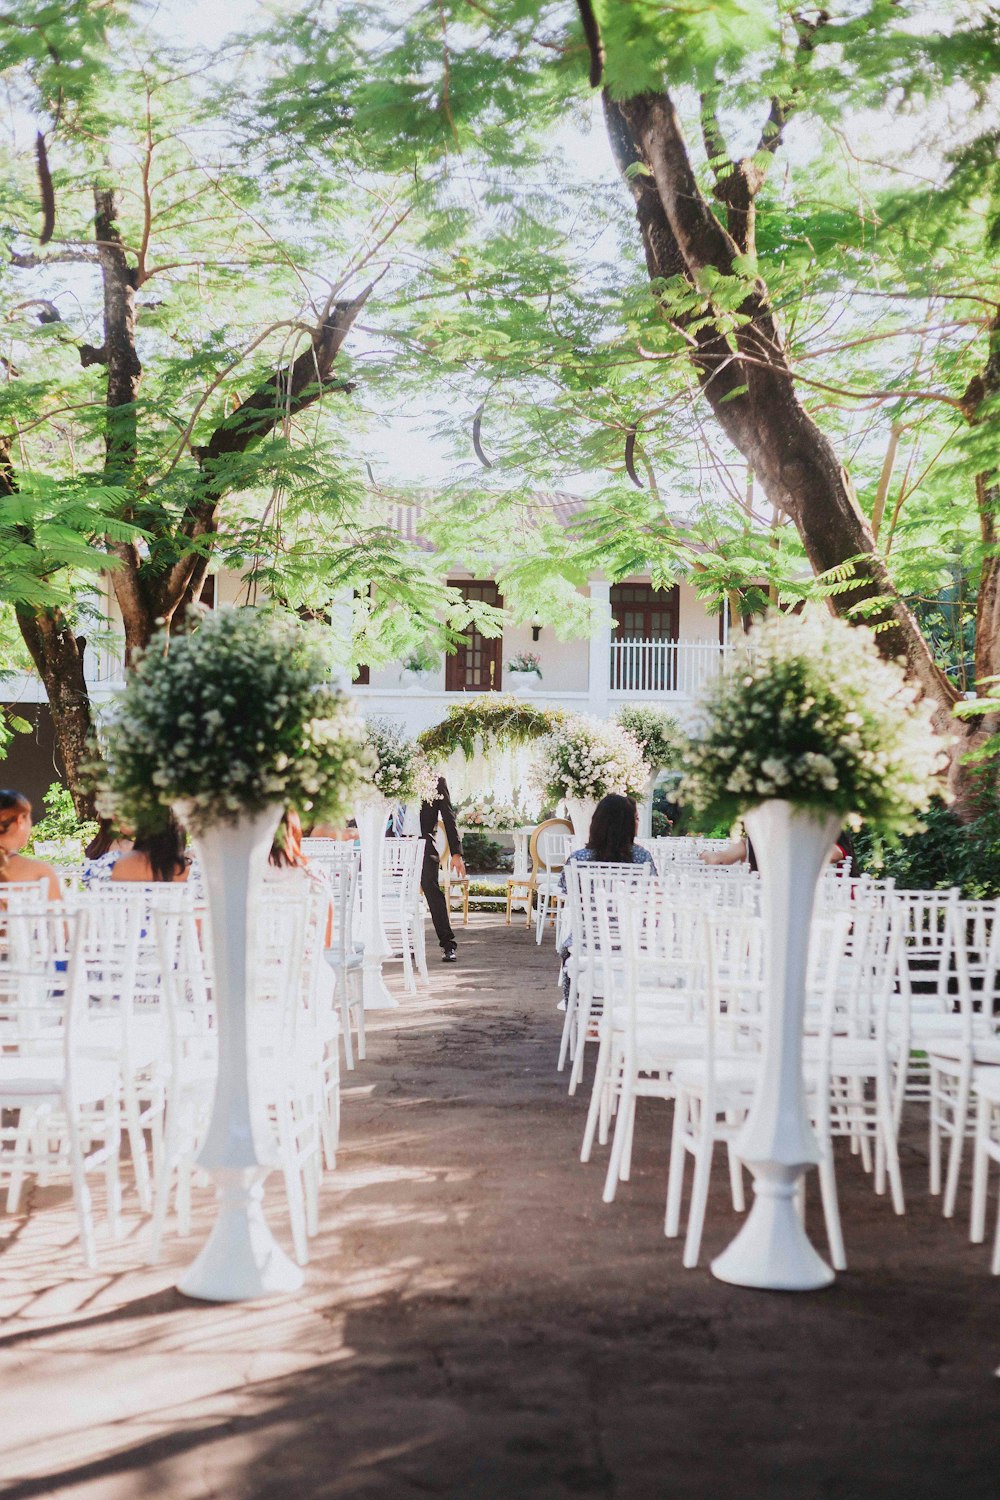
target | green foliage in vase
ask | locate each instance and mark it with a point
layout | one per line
(400, 771)
(230, 719)
(589, 758)
(815, 717)
(656, 732)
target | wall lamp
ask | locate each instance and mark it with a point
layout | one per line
(536, 627)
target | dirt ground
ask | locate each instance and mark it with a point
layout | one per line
(476, 1323)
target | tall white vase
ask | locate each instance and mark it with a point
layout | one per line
(777, 1141)
(241, 1259)
(646, 805)
(371, 814)
(580, 810)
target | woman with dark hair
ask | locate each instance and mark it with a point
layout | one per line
(157, 858)
(610, 840)
(15, 830)
(104, 851)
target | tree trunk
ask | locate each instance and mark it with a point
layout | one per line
(58, 657)
(747, 380)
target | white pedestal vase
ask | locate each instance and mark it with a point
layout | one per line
(241, 1260)
(371, 815)
(646, 806)
(777, 1141)
(522, 684)
(580, 810)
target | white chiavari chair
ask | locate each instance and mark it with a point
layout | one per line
(403, 908)
(60, 1104)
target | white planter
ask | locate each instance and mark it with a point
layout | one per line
(580, 811)
(522, 683)
(646, 805)
(777, 1141)
(371, 814)
(416, 682)
(241, 1260)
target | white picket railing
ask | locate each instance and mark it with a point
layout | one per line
(653, 669)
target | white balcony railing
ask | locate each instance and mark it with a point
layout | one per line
(653, 669)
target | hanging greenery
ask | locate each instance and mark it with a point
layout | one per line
(498, 720)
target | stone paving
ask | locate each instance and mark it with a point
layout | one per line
(476, 1323)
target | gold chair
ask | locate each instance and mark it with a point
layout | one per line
(541, 867)
(451, 881)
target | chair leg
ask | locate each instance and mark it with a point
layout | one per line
(582, 1025)
(995, 1262)
(627, 1100)
(629, 1122)
(81, 1196)
(699, 1191)
(980, 1174)
(959, 1124)
(594, 1108)
(736, 1178)
(831, 1208)
(137, 1147)
(345, 1019)
(934, 1143)
(678, 1158)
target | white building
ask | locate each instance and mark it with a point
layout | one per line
(646, 644)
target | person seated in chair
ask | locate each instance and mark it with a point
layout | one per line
(157, 858)
(15, 830)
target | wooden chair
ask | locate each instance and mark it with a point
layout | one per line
(545, 869)
(452, 882)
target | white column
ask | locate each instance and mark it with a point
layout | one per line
(342, 639)
(599, 675)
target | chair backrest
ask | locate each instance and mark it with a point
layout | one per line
(550, 846)
(23, 895)
(41, 998)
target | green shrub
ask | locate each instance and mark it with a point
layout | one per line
(947, 852)
(60, 820)
(480, 852)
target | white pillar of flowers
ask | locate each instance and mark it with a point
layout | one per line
(777, 1142)
(371, 813)
(580, 811)
(241, 1260)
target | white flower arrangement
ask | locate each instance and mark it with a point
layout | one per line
(657, 734)
(588, 758)
(813, 715)
(231, 718)
(401, 771)
(484, 812)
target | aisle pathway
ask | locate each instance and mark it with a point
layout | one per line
(478, 1325)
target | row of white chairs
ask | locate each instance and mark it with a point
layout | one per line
(666, 978)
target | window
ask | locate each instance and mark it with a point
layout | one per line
(644, 643)
(643, 613)
(476, 666)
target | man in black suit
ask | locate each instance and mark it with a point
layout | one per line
(430, 882)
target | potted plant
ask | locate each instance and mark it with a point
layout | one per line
(227, 726)
(810, 730)
(399, 773)
(524, 671)
(582, 760)
(420, 668)
(659, 738)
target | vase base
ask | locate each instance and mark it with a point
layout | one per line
(375, 995)
(241, 1261)
(772, 1251)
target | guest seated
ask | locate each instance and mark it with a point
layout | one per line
(104, 851)
(156, 857)
(15, 830)
(741, 849)
(611, 840)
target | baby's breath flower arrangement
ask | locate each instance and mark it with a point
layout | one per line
(230, 719)
(401, 773)
(816, 717)
(588, 758)
(655, 732)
